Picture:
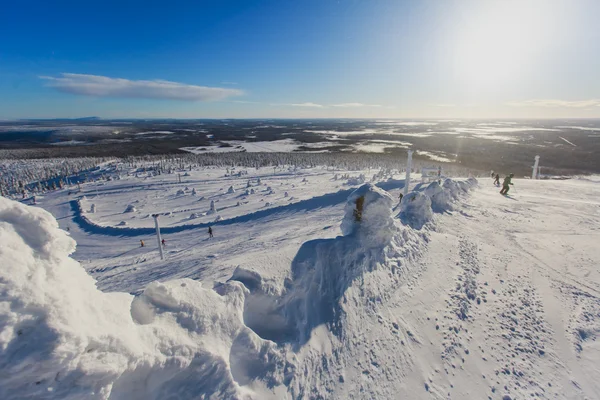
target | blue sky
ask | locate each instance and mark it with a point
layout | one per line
(281, 58)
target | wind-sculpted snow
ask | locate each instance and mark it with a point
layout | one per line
(375, 224)
(61, 338)
(418, 207)
(251, 337)
(323, 270)
(415, 209)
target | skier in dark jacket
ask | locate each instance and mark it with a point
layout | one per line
(505, 187)
(497, 180)
(210, 234)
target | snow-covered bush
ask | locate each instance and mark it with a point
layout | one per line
(212, 209)
(356, 180)
(180, 192)
(130, 208)
(231, 190)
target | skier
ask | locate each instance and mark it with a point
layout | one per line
(400, 197)
(497, 180)
(210, 233)
(163, 242)
(141, 243)
(505, 187)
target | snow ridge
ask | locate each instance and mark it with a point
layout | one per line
(63, 338)
(418, 207)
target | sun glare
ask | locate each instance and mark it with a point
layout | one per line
(499, 41)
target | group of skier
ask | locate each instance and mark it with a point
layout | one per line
(505, 184)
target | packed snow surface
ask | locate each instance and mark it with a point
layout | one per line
(456, 292)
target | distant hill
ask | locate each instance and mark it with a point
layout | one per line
(64, 119)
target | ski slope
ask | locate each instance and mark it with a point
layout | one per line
(457, 292)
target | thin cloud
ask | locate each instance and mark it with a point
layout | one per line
(555, 103)
(308, 104)
(103, 86)
(355, 105)
(229, 83)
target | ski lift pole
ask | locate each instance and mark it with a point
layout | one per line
(160, 249)
(408, 168)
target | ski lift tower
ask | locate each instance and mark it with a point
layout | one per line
(408, 168)
(534, 174)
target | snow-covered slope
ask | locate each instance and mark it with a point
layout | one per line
(457, 292)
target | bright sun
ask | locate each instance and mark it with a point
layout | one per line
(499, 40)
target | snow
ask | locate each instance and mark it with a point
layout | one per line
(63, 338)
(377, 147)
(582, 128)
(434, 157)
(567, 141)
(374, 222)
(459, 293)
(415, 210)
(283, 145)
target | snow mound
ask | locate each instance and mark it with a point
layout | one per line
(62, 338)
(441, 200)
(368, 213)
(415, 210)
(231, 190)
(373, 251)
(356, 180)
(130, 208)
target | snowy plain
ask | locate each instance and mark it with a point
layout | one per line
(456, 292)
